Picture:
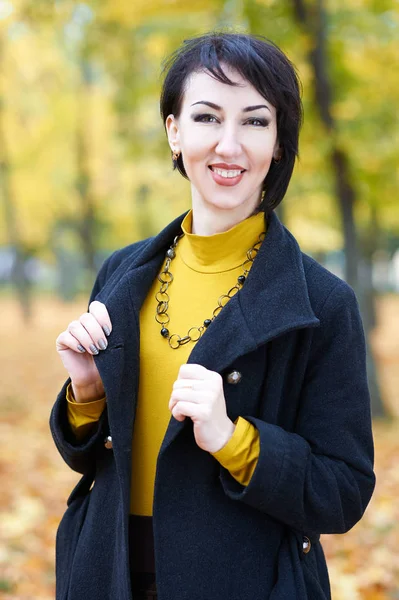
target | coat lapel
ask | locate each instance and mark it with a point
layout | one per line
(273, 300)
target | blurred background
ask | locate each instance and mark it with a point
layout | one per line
(85, 169)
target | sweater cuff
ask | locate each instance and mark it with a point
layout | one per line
(228, 451)
(240, 455)
(82, 413)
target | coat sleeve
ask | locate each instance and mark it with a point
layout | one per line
(79, 455)
(320, 477)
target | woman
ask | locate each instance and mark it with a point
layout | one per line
(226, 419)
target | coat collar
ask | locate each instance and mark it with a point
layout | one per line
(273, 300)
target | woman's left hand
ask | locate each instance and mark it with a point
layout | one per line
(198, 394)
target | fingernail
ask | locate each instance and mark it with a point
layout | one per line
(94, 349)
(80, 348)
(107, 330)
(102, 343)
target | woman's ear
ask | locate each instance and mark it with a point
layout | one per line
(172, 130)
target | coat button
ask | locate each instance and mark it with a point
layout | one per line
(234, 377)
(108, 442)
(306, 544)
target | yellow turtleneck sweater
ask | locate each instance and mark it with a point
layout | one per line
(205, 267)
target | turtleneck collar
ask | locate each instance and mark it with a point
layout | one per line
(221, 251)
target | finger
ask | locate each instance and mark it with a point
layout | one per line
(195, 371)
(80, 333)
(100, 312)
(196, 412)
(199, 384)
(187, 395)
(179, 417)
(94, 329)
(66, 341)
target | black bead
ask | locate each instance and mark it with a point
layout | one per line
(241, 279)
(164, 332)
(207, 322)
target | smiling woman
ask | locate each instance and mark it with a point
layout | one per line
(219, 454)
(253, 91)
(226, 148)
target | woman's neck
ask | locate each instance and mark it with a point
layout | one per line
(210, 221)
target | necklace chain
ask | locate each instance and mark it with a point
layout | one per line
(162, 297)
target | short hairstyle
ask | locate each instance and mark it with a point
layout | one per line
(262, 64)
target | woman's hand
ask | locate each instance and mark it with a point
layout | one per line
(77, 345)
(204, 403)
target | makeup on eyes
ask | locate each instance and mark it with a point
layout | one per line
(204, 118)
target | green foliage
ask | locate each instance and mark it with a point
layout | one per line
(97, 66)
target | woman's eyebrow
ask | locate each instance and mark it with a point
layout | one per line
(217, 107)
(249, 108)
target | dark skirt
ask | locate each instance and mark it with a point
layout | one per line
(142, 561)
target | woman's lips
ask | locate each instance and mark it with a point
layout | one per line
(229, 181)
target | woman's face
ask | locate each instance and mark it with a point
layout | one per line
(227, 136)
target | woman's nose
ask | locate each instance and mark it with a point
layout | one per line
(228, 143)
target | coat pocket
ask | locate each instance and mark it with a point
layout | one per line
(68, 533)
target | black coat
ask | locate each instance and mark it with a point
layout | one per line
(295, 335)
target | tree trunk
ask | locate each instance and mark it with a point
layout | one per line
(346, 198)
(87, 226)
(313, 23)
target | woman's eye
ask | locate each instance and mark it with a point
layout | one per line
(208, 118)
(258, 122)
(205, 118)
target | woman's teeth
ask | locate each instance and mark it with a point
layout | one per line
(226, 173)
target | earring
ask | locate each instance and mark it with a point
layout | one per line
(175, 155)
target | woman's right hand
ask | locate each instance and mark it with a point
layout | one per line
(77, 345)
